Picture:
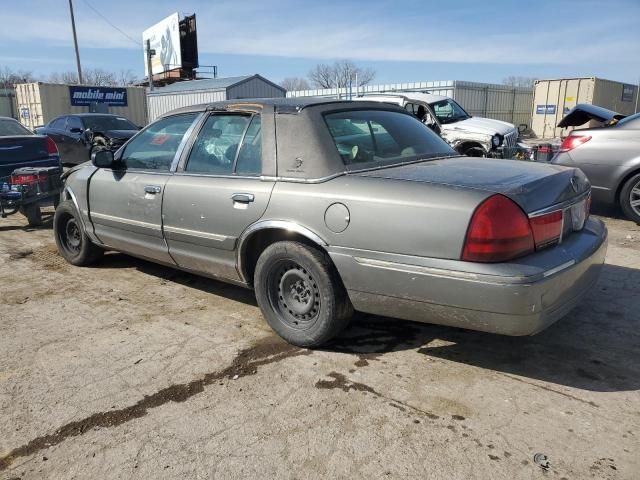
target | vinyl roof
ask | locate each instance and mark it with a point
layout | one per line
(208, 84)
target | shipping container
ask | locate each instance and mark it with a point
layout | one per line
(8, 103)
(552, 100)
(194, 92)
(500, 102)
(38, 103)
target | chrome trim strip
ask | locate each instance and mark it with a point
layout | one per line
(75, 203)
(560, 206)
(275, 224)
(126, 221)
(559, 268)
(403, 267)
(195, 233)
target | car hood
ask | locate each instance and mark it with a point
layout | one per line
(126, 134)
(583, 113)
(481, 125)
(533, 186)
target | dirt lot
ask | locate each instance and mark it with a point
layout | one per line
(131, 370)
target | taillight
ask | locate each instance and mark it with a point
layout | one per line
(573, 141)
(26, 179)
(499, 231)
(52, 148)
(546, 228)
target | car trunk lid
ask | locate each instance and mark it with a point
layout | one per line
(24, 151)
(533, 186)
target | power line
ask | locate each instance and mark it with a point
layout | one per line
(109, 22)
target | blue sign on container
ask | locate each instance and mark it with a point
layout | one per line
(85, 96)
(545, 109)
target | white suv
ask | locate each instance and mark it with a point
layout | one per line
(473, 136)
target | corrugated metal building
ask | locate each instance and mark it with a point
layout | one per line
(8, 103)
(194, 92)
(38, 103)
(502, 102)
(553, 99)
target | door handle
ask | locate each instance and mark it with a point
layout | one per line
(153, 189)
(243, 197)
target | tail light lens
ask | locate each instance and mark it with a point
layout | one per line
(27, 179)
(546, 228)
(573, 141)
(52, 148)
(499, 231)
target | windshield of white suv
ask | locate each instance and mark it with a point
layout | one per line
(373, 138)
(448, 111)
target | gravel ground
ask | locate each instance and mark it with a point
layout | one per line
(132, 370)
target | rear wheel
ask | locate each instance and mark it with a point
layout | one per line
(71, 240)
(630, 198)
(33, 214)
(300, 294)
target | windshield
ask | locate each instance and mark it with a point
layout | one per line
(448, 111)
(632, 119)
(370, 138)
(9, 127)
(102, 124)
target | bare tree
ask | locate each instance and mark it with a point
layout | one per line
(294, 83)
(9, 77)
(126, 78)
(340, 73)
(517, 81)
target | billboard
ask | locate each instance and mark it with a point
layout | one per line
(84, 96)
(164, 37)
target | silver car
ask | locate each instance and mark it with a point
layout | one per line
(609, 155)
(327, 206)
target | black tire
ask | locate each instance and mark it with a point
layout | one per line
(71, 240)
(33, 214)
(630, 193)
(300, 294)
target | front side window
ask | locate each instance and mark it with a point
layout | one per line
(59, 123)
(155, 147)
(448, 111)
(74, 122)
(217, 150)
(369, 138)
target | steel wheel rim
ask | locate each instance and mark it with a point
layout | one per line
(634, 198)
(72, 237)
(294, 295)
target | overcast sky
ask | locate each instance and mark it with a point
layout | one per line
(403, 40)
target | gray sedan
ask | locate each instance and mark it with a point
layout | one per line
(325, 206)
(609, 155)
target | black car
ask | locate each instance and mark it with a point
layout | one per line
(76, 135)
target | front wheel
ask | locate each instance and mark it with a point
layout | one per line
(71, 240)
(630, 198)
(300, 294)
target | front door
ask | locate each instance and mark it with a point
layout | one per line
(216, 195)
(126, 202)
(75, 141)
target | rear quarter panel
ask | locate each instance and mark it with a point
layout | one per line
(385, 215)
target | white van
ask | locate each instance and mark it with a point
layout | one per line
(473, 136)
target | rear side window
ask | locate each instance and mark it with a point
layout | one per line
(369, 138)
(155, 147)
(227, 145)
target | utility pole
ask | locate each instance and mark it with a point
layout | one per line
(75, 42)
(637, 95)
(150, 52)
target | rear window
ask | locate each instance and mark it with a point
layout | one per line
(11, 127)
(370, 138)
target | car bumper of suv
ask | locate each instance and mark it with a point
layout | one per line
(521, 297)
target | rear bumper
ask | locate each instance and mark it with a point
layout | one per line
(517, 298)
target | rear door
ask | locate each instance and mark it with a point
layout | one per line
(56, 130)
(126, 202)
(217, 194)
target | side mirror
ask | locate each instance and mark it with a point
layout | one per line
(102, 158)
(76, 130)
